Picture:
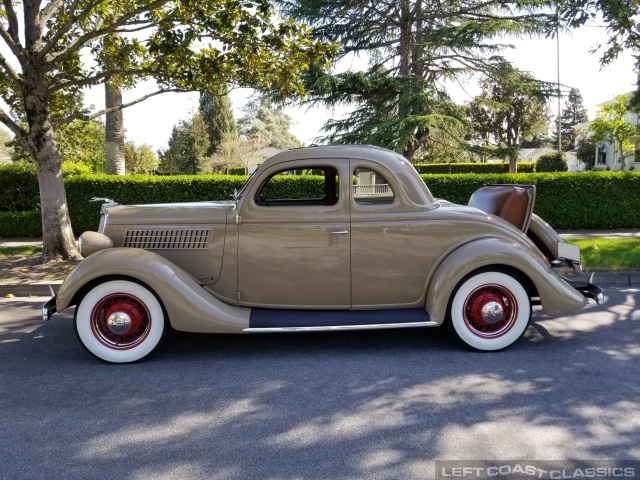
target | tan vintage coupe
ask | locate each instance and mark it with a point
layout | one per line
(370, 249)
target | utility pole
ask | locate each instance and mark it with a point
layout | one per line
(559, 97)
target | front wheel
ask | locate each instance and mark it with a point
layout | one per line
(490, 310)
(120, 321)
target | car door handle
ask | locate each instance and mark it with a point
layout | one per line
(339, 232)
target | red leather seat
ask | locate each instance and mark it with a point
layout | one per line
(514, 203)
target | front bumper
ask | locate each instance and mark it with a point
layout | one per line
(49, 309)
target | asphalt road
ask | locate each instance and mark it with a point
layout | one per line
(372, 405)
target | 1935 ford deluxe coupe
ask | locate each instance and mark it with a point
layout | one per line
(360, 243)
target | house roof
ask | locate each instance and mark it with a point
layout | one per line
(531, 154)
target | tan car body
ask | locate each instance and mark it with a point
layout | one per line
(239, 255)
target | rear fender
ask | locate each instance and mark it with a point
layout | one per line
(189, 306)
(556, 295)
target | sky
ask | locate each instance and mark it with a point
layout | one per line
(151, 121)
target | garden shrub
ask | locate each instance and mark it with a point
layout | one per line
(552, 162)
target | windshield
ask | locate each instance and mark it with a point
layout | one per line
(237, 195)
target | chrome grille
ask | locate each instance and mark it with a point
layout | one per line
(171, 239)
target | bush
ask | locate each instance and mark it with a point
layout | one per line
(20, 224)
(436, 168)
(552, 162)
(595, 200)
(19, 190)
(568, 201)
(237, 171)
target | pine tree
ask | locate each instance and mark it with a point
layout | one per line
(187, 152)
(218, 118)
(415, 45)
(572, 114)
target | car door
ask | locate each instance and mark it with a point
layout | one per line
(294, 249)
(392, 247)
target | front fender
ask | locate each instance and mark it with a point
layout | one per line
(556, 295)
(189, 306)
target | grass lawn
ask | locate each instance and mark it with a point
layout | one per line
(612, 254)
(27, 250)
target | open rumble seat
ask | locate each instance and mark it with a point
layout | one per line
(514, 203)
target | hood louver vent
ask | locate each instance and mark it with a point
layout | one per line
(174, 239)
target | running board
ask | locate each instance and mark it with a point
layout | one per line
(340, 327)
(266, 320)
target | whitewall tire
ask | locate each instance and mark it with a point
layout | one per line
(490, 310)
(120, 321)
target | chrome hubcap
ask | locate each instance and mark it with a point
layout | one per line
(492, 312)
(119, 323)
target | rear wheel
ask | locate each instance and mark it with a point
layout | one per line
(490, 310)
(120, 321)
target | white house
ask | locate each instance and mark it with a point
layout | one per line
(607, 157)
(4, 158)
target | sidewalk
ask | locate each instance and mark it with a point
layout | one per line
(607, 279)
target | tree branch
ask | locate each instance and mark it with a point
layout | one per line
(97, 33)
(4, 64)
(49, 9)
(13, 126)
(13, 31)
(86, 118)
(15, 48)
(66, 26)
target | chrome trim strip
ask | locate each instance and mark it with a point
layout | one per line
(374, 326)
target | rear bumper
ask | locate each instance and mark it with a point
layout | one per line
(588, 289)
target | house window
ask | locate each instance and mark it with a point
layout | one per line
(371, 188)
(637, 156)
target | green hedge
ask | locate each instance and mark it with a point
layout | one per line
(593, 200)
(20, 224)
(237, 171)
(568, 201)
(437, 168)
(19, 184)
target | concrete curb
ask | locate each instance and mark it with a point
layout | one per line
(36, 289)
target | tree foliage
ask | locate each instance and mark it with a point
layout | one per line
(218, 118)
(415, 46)
(187, 152)
(621, 18)
(61, 47)
(139, 159)
(611, 124)
(79, 142)
(266, 126)
(511, 108)
(572, 114)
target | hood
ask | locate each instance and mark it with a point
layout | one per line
(170, 213)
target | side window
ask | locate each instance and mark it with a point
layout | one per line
(371, 188)
(312, 186)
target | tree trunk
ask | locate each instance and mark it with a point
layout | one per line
(114, 131)
(513, 162)
(57, 235)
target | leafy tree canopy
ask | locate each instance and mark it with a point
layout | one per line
(415, 46)
(611, 124)
(187, 152)
(139, 159)
(511, 108)
(218, 118)
(269, 127)
(61, 47)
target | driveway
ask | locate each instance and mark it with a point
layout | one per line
(371, 405)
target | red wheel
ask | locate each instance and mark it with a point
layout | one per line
(120, 321)
(490, 310)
